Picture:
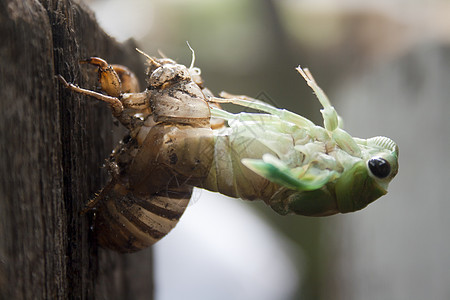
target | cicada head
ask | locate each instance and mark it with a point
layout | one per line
(166, 73)
(163, 70)
(368, 178)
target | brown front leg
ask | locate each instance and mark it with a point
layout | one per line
(121, 88)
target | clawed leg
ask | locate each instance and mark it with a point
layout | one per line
(121, 88)
(130, 83)
(108, 78)
(114, 79)
(98, 197)
(114, 102)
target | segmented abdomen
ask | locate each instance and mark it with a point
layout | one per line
(129, 222)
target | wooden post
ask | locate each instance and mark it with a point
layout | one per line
(53, 144)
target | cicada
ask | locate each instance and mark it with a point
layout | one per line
(178, 140)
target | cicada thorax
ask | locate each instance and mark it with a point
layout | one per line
(154, 170)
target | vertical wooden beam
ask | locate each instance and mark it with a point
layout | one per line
(53, 144)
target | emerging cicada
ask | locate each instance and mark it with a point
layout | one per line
(178, 140)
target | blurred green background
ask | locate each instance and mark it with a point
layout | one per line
(385, 66)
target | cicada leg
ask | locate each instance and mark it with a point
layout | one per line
(262, 106)
(330, 116)
(114, 79)
(114, 171)
(130, 83)
(114, 102)
(227, 95)
(301, 179)
(118, 81)
(121, 88)
(98, 197)
(331, 119)
(108, 78)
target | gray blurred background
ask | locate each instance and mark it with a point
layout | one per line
(385, 65)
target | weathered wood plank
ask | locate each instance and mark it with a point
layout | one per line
(53, 144)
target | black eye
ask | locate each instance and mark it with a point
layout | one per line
(379, 167)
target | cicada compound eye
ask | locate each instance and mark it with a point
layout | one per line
(379, 167)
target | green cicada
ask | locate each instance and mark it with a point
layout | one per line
(178, 139)
(308, 169)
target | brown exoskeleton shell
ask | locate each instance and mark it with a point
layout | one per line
(168, 151)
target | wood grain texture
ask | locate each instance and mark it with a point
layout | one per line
(53, 144)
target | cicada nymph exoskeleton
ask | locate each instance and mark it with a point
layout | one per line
(168, 151)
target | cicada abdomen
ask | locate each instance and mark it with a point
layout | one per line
(129, 222)
(153, 171)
